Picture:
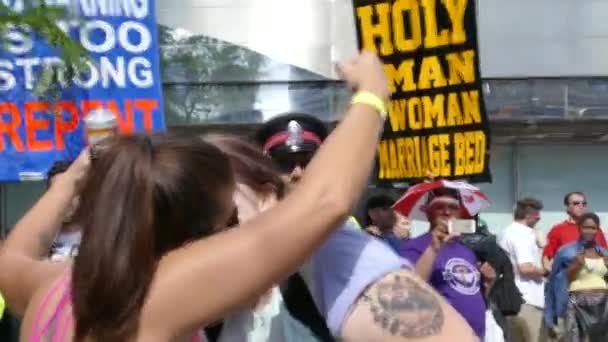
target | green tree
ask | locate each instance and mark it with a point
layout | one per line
(194, 69)
(42, 20)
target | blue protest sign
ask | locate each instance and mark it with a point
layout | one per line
(123, 77)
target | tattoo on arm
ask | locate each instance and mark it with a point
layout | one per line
(402, 307)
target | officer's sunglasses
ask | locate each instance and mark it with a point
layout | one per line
(289, 161)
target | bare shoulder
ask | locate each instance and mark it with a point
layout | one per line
(48, 293)
(22, 277)
(401, 307)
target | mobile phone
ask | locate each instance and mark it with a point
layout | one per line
(461, 226)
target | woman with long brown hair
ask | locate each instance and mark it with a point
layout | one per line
(143, 272)
(354, 279)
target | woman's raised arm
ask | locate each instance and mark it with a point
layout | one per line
(209, 277)
(22, 261)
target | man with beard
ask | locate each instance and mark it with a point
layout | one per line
(354, 288)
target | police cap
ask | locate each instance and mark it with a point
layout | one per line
(291, 132)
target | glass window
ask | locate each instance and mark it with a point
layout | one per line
(587, 98)
(549, 171)
(187, 104)
(187, 58)
(210, 80)
(207, 80)
(546, 98)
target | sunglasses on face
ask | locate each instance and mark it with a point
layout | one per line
(442, 206)
(290, 161)
(589, 227)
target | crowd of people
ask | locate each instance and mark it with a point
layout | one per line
(182, 238)
(551, 289)
(563, 281)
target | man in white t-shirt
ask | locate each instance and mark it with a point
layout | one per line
(520, 242)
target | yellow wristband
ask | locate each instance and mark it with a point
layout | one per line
(2, 305)
(371, 99)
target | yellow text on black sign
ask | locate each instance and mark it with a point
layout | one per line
(414, 157)
(436, 120)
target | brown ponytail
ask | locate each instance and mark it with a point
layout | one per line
(251, 167)
(144, 197)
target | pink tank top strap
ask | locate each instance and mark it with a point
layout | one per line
(62, 332)
(64, 317)
(62, 328)
(199, 337)
(38, 332)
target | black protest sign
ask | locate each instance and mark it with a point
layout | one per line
(437, 120)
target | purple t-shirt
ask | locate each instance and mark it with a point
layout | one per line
(455, 276)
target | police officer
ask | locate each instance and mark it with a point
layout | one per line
(291, 140)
